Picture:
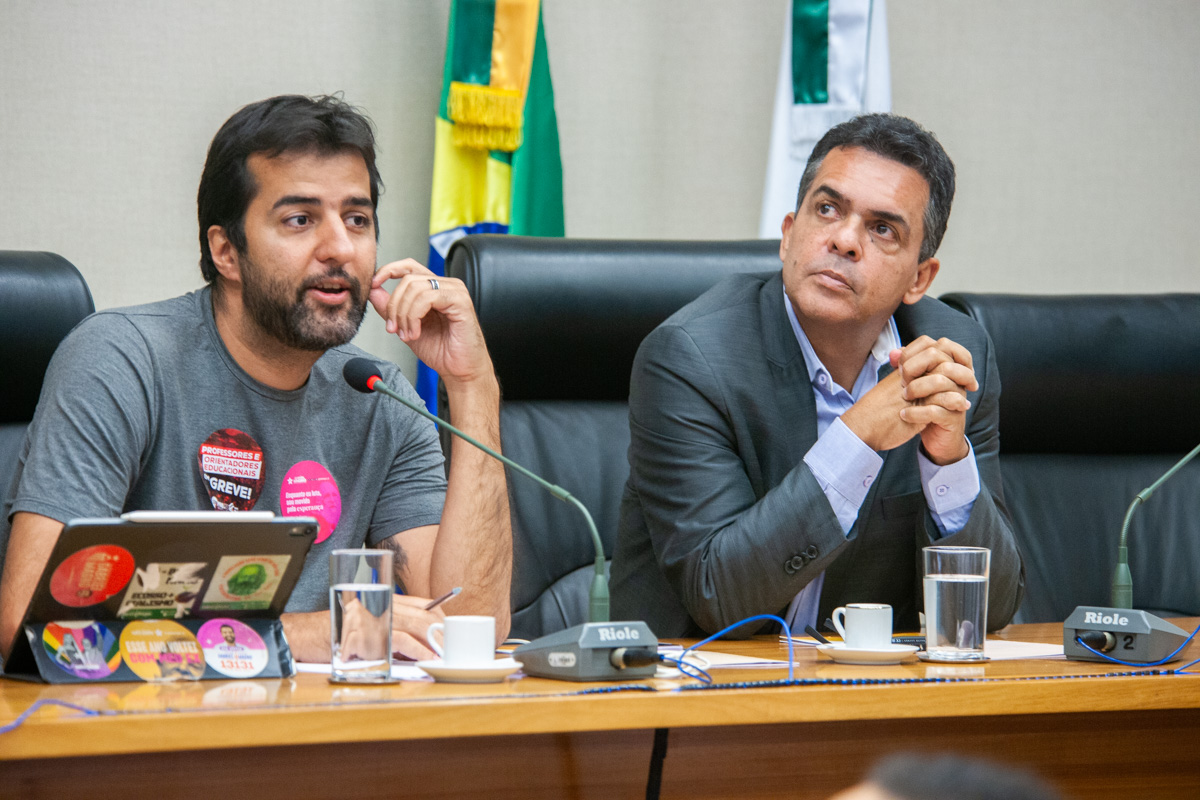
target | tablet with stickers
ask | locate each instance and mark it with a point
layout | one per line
(164, 596)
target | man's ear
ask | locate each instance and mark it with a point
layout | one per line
(927, 270)
(786, 227)
(224, 254)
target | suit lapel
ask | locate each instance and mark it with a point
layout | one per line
(790, 383)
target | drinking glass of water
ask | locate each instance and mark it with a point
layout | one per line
(956, 595)
(360, 615)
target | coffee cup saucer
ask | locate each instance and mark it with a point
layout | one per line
(887, 654)
(487, 672)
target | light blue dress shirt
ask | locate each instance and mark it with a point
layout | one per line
(845, 467)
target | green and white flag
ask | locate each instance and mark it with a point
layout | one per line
(834, 66)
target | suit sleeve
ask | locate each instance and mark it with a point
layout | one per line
(989, 524)
(726, 552)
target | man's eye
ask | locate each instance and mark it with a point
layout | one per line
(359, 221)
(297, 220)
(825, 208)
(884, 230)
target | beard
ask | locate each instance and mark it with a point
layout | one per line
(285, 314)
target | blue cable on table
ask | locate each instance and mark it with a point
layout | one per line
(27, 713)
(1183, 670)
(690, 670)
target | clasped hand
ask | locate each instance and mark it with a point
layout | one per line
(926, 395)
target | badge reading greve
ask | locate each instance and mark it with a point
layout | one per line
(231, 468)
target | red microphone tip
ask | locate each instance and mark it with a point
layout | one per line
(371, 381)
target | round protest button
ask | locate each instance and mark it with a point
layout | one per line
(91, 575)
(309, 490)
(161, 650)
(86, 650)
(231, 468)
(232, 648)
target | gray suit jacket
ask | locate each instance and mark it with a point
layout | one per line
(721, 519)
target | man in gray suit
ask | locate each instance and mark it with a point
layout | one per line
(797, 437)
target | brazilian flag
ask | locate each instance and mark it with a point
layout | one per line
(496, 163)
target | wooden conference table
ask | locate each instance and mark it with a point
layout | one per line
(1095, 730)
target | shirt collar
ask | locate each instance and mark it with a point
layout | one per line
(888, 340)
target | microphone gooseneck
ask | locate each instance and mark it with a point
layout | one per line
(1095, 633)
(1122, 584)
(363, 375)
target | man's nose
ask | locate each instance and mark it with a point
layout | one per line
(335, 244)
(845, 238)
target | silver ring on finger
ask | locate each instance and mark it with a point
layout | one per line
(433, 282)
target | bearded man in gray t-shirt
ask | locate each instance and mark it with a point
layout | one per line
(231, 397)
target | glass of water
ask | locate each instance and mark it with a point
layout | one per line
(956, 595)
(360, 615)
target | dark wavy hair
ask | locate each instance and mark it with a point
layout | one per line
(902, 140)
(286, 124)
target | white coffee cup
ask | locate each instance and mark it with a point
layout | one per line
(867, 626)
(468, 641)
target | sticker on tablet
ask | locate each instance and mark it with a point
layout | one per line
(245, 582)
(231, 468)
(163, 591)
(232, 648)
(91, 575)
(309, 490)
(161, 650)
(87, 650)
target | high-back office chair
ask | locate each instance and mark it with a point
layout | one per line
(42, 297)
(563, 319)
(1100, 396)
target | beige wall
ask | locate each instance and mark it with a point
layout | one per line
(1073, 125)
(1075, 128)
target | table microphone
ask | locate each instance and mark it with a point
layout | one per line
(1134, 636)
(582, 652)
(364, 376)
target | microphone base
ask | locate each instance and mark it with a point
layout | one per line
(1141, 637)
(583, 652)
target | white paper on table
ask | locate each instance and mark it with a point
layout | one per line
(1004, 650)
(802, 641)
(996, 649)
(400, 672)
(717, 660)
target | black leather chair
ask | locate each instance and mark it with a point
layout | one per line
(42, 297)
(563, 320)
(1101, 395)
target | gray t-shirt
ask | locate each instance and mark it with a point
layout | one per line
(144, 408)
